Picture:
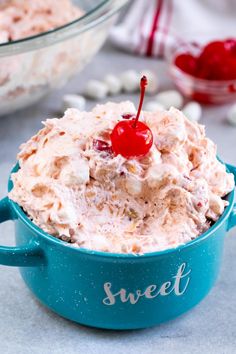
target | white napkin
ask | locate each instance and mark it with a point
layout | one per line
(149, 25)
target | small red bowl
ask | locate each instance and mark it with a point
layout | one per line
(201, 90)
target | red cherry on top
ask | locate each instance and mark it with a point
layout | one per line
(132, 138)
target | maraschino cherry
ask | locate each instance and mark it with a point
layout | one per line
(132, 138)
(215, 61)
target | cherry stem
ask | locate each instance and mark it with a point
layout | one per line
(143, 84)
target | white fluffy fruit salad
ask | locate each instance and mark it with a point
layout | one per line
(117, 180)
(20, 19)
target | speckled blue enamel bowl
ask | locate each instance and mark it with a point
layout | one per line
(115, 291)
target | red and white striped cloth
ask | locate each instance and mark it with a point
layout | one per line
(147, 25)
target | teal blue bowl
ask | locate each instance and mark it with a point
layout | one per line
(115, 291)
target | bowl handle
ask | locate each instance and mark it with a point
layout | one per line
(232, 217)
(24, 256)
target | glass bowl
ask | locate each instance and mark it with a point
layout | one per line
(201, 90)
(33, 66)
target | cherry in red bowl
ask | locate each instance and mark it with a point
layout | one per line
(204, 69)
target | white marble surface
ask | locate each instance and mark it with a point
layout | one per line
(27, 327)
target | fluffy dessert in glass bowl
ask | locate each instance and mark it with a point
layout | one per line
(21, 19)
(44, 43)
(121, 181)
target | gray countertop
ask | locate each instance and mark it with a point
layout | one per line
(27, 327)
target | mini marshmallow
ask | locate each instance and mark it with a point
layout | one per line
(193, 111)
(133, 186)
(154, 176)
(76, 173)
(231, 115)
(96, 89)
(153, 84)
(170, 98)
(73, 101)
(130, 81)
(153, 106)
(216, 204)
(113, 83)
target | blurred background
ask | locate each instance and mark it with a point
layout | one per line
(188, 49)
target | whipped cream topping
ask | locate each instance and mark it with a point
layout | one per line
(99, 201)
(20, 19)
